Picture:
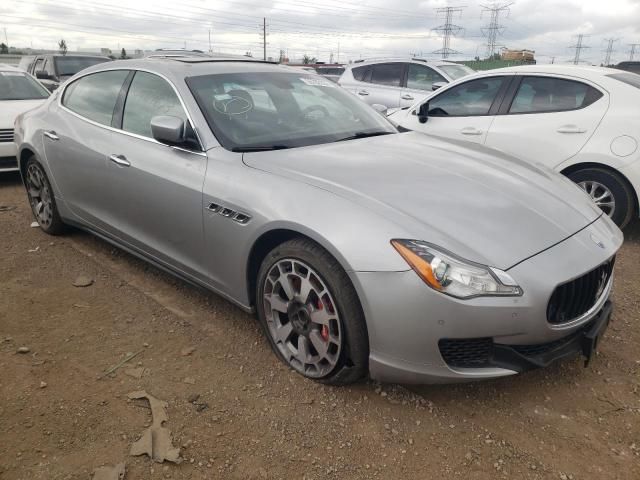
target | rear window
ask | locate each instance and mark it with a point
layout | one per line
(359, 73)
(72, 65)
(550, 94)
(19, 86)
(632, 79)
(94, 96)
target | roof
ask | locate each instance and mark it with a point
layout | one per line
(10, 68)
(576, 70)
(367, 61)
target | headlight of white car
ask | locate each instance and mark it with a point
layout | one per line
(453, 276)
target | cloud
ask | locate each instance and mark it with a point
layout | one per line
(355, 28)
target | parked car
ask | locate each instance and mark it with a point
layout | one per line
(54, 69)
(25, 62)
(360, 248)
(397, 82)
(19, 92)
(175, 52)
(332, 72)
(630, 66)
(580, 121)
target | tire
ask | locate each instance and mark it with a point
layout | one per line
(330, 316)
(598, 182)
(41, 198)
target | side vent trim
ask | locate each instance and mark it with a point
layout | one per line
(238, 217)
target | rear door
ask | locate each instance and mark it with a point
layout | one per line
(462, 112)
(419, 83)
(548, 119)
(379, 83)
(155, 190)
(76, 146)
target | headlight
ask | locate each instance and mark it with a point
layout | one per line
(450, 275)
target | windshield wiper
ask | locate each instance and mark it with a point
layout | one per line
(265, 148)
(358, 135)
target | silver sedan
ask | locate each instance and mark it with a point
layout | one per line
(362, 250)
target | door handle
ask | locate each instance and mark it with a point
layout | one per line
(471, 131)
(571, 129)
(120, 160)
(363, 93)
(51, 134)
(406, 96)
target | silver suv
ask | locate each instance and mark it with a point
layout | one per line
(396, 82)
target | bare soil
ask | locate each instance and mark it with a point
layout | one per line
(255, 419)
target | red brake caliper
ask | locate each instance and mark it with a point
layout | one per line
(324, 331)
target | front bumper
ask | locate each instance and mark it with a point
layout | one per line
(406, 320)
(8, 160)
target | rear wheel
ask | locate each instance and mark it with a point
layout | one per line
(310, 313)
(41, 199)
(609, 191)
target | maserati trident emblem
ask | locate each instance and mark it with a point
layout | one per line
(597, 241)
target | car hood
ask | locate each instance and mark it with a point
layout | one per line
(476, 202)
(10, 109)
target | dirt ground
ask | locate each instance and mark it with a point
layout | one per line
(255, 419)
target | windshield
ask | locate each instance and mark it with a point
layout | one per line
(71, 65)
(19, 86)
(456, 71)
(632, 79)
(273, 110)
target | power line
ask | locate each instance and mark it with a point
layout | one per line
(494, 28)
(609, 52)
(579, 46)
(632, 52)
(448, 29)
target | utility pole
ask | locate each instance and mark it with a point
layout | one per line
(494, 29)
(448, 29)
(210, 49)
(579, 46)
(6, 40)
(632, 53)
(264, 38)
(609, 51)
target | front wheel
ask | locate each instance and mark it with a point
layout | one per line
(41, 199)
(609, 191)
(310, 313)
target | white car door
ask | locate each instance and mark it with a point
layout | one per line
(549, 120)
(462, 112)
(420, 80)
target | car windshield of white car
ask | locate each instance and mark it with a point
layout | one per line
(456, 71)
(19, 86)
(254, 111)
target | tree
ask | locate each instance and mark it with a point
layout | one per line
(62, 46)
(4, 48)
(307, 59)
(123, 54)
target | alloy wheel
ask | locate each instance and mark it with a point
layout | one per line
(302, 318)
(40, 197)
(601, 195)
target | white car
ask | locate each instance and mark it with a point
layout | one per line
(399, 82)
(19, 92)
(581, 121)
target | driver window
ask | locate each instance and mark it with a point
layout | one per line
(472, 98)
(422, 78)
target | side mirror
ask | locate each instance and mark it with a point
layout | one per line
(423, 112)
(437, 85)
(381, 109)
(42, 75)
(166, 129)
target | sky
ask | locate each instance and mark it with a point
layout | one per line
(342, 30)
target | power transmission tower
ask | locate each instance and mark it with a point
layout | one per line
(494, 29)
(448, 29)
(609, 52)
(632, 52)
(579, 46)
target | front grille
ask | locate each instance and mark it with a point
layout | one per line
(466, 352)
(6, 135)
(573, 299)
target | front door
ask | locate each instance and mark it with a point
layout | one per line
(463, 112)
(157, 189)
(419, 84)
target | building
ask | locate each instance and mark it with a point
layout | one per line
(525, 56)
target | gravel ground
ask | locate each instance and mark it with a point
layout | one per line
(237, 413)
